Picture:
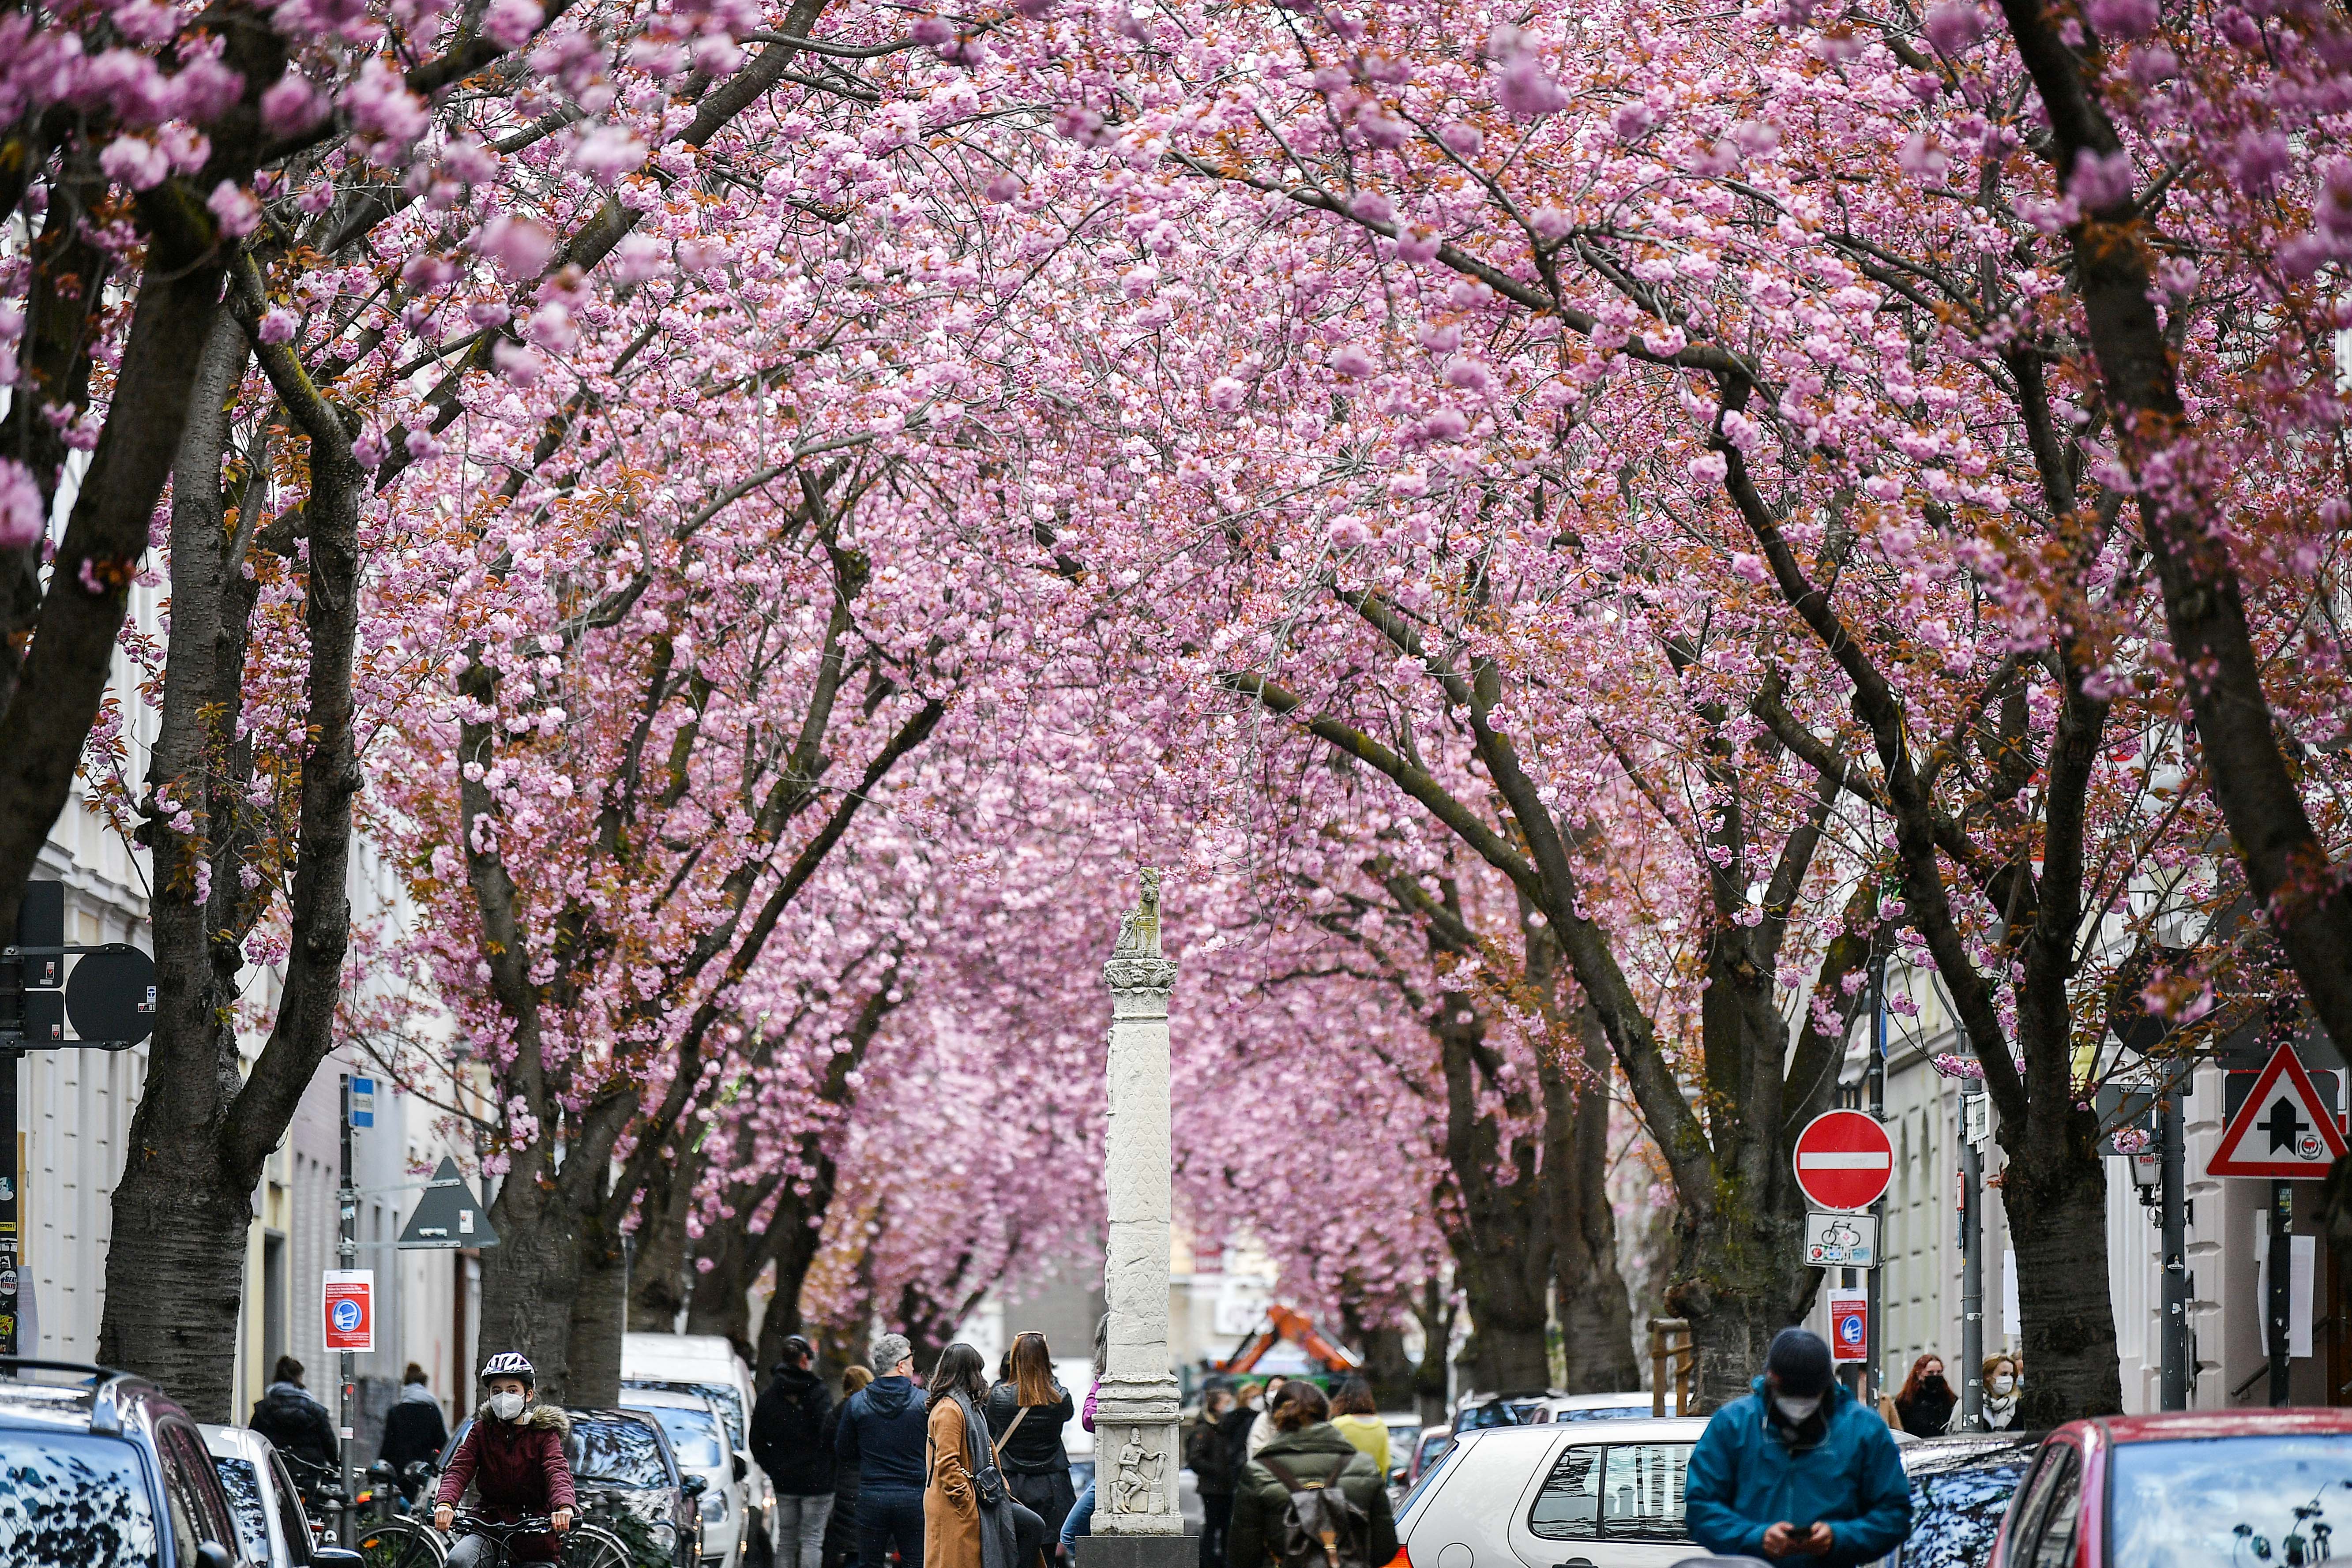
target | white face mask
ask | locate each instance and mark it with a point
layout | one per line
(2001, 1385)
(506, 1406)
(1796, 1412)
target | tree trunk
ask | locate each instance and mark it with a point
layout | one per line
(2055, 1196)
(1742, 1280)
(721, 1302)
(600, 1310)
(181, 1220)
(1435, 1311)
(1386, 1366)
(657, 1281)
(532, 1277)
(1596, 1317)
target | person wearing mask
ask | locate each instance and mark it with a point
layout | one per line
(1025, 1414)
(1797, 1469)
(1356, 1416)
(1261, 1432)
(1925, 1401)
(790, 1428)
(1212, 1475)
(881, 1437)
(1234, 1430)
(412, 1429)
(841, 1526)
(1999, 1394)
(513, 1456)
(298, 1424)
(1304, 1452)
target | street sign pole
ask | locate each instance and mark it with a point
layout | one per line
(2279, 1309)
(347, 1251)
(1971, 1263)
(2173, 1129)
(1874, 1075)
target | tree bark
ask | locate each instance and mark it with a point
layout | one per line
(1590, 1300)
(658, 1278)
(1434, 1310)
(600, 1310)
(2054, 1192)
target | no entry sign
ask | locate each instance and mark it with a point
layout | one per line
(1844, 1160)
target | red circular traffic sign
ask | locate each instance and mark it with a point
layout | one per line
(1844, 1160)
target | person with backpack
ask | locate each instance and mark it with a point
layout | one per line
(789, 1438)
(1026, 1413)
(1310, 1499)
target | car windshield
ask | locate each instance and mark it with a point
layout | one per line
(1494, 1414)
(73, 1501)
(2269, 1497)
(244, 1503)
(693, 1435)
(615, 1453)
(1956, 1512)
(726, 1396)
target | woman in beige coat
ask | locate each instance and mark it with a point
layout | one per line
(952, 1523)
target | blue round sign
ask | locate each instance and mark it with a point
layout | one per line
(1849, 1328)
(347, 1314)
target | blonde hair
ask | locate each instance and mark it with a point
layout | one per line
(856, 1378)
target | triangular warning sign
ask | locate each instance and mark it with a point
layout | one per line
(2284, 1131)
(447, 1216)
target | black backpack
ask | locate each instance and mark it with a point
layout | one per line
(1322, 1526)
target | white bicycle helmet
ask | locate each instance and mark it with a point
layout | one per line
(508, 1364)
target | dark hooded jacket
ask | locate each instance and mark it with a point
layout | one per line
(789, 1429)
(1316, 1454)
(882, 1435)
(298, 1424)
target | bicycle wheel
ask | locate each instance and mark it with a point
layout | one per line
(586, 1546)
(402, 1544)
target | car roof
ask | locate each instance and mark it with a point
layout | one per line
(98, 1400)
(1646, 1428)
(2174, 1425)
(1597, 1401)
(235, 1442)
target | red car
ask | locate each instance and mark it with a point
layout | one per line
(2266, 1488)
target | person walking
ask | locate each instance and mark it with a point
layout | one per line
(841, 1526)
(1234, 1430)
(1797, 1468)
(1306, 1457)
(1206, 1456)
(513, 1457)
(412, 1429)
(881, 1437)
(298, 1424)
(969, 1520)
(790, 1428)
(1356, 1416)
(1999, 1394)
(1925, 1401)
(1025, 1414)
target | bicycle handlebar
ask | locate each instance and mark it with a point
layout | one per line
(530, 1524)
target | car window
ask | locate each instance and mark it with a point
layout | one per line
(2054, 1533)
(1956, 1514)
(694, 1435)
(183, 1500)
(72, 1501)
(1642, 1491)
(1568, 1507)
(246, 1505)
(617, 1453)
(293, 1523)
(2263, 1497)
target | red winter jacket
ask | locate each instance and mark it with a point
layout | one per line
(517, 1468)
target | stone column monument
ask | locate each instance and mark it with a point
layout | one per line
(1135, 1521)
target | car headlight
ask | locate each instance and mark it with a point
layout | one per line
(714, 1508)
(665, 1537)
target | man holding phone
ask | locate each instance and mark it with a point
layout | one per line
(1799, 1468)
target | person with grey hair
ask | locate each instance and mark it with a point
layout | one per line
(881, 1437)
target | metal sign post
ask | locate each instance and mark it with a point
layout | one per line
(1976, 1131)
(347, 1251)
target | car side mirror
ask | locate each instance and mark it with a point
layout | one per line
(212, 1554)
(336, 1557)
(695, 1486)
(742, 1463)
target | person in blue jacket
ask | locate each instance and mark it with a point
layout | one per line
(881, 1438)
(1798, 1468)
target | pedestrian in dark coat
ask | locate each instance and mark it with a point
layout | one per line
(413, 1429)
(841, 1528)
(298, 1424)
(1206, 1456)
(788, 1431)
(881, 1436)
(1026, 1418)
(1310, 1450)
(1925, 1401)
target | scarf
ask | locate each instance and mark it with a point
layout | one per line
(998, 1541)
(416, 1393)
(1999, 1413)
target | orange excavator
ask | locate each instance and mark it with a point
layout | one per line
(1283, 1323)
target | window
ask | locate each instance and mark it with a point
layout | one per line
(2210, 1499)
(1625, 1492)
(186, 1467)
(246, 1505)
(618, 1452)
(293, 1523)
(72, 1501)
(2045, 1536)
(693, 1436)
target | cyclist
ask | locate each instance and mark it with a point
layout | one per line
(513, 1453)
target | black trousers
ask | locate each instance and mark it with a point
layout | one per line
(1216, 1523)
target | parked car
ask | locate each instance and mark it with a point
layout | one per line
(706, 1363)
(1478, 1411)
(2188, 1486)
(1592, 1407)
(698, 1437)
(1961, 1488)
(1404, 1432)
(628, 1481)
(1584, 1494)
(264, 1501)
(1431, 1446)
(108, 1470)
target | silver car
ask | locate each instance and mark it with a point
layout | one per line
(271, 1527)
(1578, 1494)
(697, 1430)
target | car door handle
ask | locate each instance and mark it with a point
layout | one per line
(1575, 1562)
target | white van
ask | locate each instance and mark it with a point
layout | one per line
(707, 1365)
